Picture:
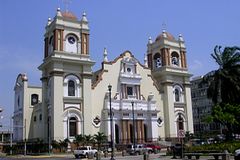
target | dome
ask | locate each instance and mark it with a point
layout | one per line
(169, 36)
(69, 15)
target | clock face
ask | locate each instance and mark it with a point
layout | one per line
(71, 40)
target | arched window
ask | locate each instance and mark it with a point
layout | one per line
(157, 60)
(177, 95)
(175, 59)
(50, 45)
(72, 127)
(180, 122)
(71, 88)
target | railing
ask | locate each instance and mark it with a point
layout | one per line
(127, 105)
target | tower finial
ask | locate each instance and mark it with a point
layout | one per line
(49, 21)
(180, 38)
(164, 30)
(105, 59)
(59, 12)
(150, 40)
(84, 17)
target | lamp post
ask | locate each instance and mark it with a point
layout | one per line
(49, 137)
(25, 138)
(181, 127)
(111, 120)
(134, 143)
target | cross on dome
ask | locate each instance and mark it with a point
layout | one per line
(66, 4)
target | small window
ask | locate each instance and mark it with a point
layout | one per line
(51, 40)
(34, 99)
(34, 118)
(157, 60)
(177, 95)
(130, 90)
(180, 122)
(40, 117)
(18, 101)
(73, 126)
(71, 88)
(175, 58)
(129, 70)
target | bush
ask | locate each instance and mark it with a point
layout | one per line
(217, 147)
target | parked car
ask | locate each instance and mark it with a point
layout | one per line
(237, 154)
(155, 148)
(85, 151)
(139, 149)
(177, 150)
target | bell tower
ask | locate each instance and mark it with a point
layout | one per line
(66, 76)
(166, 57)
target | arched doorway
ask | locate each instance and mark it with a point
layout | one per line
(180, 122)
(131, 133)
(145, 133)
(72, 126)
(117, 133)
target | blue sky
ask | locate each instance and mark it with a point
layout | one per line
(118, 25)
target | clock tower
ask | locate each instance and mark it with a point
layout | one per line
(166, 58)
(66, 76)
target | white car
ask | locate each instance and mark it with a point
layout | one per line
(237, 154)
(84, 152)
(139, 149)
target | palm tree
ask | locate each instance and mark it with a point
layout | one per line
(224, 83)
(224, 86)
(80, 140)
(89, 139)
(63, 144)
(100, 138)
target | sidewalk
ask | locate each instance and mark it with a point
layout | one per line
(159, 156)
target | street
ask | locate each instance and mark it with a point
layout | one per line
(65, 157)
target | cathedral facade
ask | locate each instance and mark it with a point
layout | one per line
(147, 101)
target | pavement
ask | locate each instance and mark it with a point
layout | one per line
(159, 156)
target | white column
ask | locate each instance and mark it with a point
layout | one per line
(189, 116)
(56, 119)
(169, 116)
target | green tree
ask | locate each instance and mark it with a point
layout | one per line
(80, 140)
(224, 86)
(100, 138)
(224, 83)
(55, 144)
(63, 144)
(228, 116)
(89, 139)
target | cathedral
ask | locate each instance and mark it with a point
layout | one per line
(123, 99)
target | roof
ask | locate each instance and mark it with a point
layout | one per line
(69, 15)
(169, 36)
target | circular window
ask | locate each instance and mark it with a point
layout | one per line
(129, 69)
(71, 40)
